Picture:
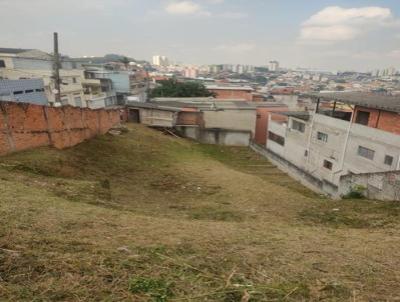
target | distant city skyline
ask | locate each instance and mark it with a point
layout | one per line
(331, 35)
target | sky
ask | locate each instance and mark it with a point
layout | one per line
(334, 35)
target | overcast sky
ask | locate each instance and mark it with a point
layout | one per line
(324, 34)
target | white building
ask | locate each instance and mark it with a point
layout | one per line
(160, 61)
(191, 73)
(338, 140)
(273, 66)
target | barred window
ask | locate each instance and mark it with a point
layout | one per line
(296, 125)
(322, 137)
(365, 152)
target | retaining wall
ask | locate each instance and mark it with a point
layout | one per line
(24, 126)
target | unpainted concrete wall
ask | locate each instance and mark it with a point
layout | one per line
(157, 117)
(242, 120)
(379, 186)
(225, 137)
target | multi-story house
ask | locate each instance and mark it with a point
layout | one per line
(348, 133)
(18, 64)
(98, 92)
(126, 84)
(26, 91)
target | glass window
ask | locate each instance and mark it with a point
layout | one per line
(296, 125)
(388, 160)
(2, 64)
(322, 137)
(365, 152)
(78, 101)
(328, 165)
(18, 92)
(276, 138)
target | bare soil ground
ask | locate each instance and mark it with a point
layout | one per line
(147, 217)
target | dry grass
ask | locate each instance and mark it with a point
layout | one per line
(146, 217)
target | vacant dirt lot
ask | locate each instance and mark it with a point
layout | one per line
(147, 217)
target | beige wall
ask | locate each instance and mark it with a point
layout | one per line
(231, 119)
(157, 118)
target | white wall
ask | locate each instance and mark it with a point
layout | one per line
(296, 143)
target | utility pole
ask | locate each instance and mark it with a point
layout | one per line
(56, 70)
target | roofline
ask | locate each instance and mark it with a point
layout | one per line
(351, 102)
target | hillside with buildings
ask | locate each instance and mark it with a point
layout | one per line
(142, 216)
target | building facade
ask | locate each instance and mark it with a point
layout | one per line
(26, 91)
(16, 64)
(226, 92)
(330, 144)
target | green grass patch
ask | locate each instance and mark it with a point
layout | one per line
(353, 214)
(158, 289)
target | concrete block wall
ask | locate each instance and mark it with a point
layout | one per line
(25, 126)
(379, 186)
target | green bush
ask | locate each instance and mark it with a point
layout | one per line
(356, 192)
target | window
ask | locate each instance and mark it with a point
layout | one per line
(298, 126)
(29, 91)
(365, 152)
(78, 101)
(328, 165)
(39, 90)
(18, 92)
(388, 160)
(276, 138)
(362, 118)
(322, 137)
(2, 64)
(74, 80)
(64, 101)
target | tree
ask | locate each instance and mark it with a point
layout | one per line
(125, 61)
(173, 88)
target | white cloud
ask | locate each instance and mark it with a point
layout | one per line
(183, 8)
(340, 24)
(188, 7)
(232, 15)
(236, 48)
(334, 15)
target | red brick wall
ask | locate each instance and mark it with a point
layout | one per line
(24, 126)
(233, 94)
(384, 120)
